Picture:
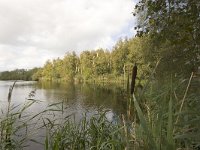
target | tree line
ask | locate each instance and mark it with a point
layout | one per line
(18, 74)
(94, 64)
(167, 35)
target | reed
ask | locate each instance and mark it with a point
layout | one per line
(95, 133)
(17, 125)
(166, 122)
(9, 125)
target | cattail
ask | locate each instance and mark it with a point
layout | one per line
(128, 81)
(134, 74)
(10, 91)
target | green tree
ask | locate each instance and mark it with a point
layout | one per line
(70, 62)
(101, 62)
(87, 63)
(47, 71)
(138, 54)
(173, 27)
(119, 56)
(58, 72)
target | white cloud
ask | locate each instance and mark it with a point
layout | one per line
(13, 57)
(33, 30)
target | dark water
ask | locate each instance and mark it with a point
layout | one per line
(78, 98)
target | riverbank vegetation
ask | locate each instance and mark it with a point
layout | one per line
(18, 74)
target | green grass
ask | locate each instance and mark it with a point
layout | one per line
(163, 112)
(95, 133)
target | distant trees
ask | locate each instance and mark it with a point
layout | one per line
(18, 74)
(65, 68)
(96, 63)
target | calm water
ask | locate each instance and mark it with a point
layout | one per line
(78, 98)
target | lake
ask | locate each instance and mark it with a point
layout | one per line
(78, 98)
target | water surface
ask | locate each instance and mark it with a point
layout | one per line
(78, 99)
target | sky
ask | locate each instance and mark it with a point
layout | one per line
(33, 31)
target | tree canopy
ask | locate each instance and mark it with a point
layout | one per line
(173, 27)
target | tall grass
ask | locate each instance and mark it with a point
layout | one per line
(95, 133)
(10, 125)
(167, 121)
(17, 125)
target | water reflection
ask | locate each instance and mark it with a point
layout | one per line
(84, 97)
(78, 98)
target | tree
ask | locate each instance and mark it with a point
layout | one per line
(58, 68)
(138, 54)
(47, 71)
(173, 27)
(101, 62)
(87, 62)
(70, 62)
(119, 56)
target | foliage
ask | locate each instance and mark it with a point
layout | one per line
(98, 63)
(168, 117)
(119, 56)
(18, 74)
(95, 133)
(173, 27)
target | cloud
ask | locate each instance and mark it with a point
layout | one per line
(34, 30)
(23, 57)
